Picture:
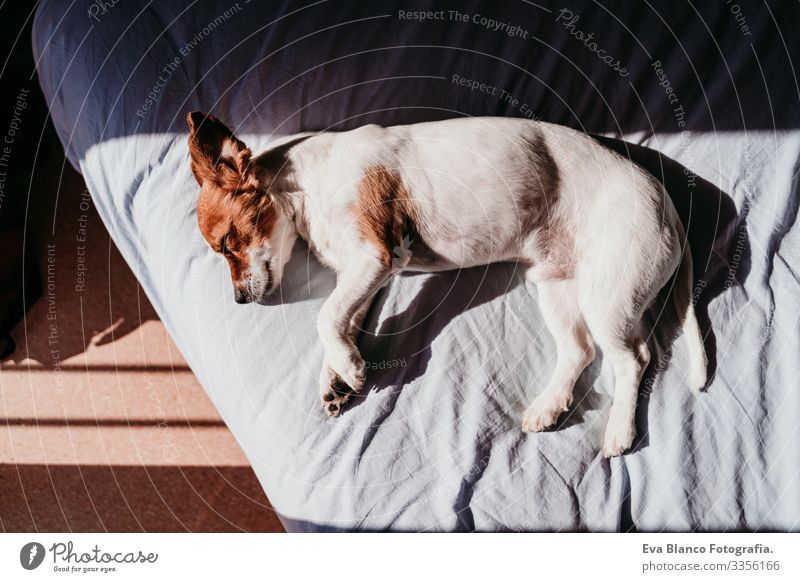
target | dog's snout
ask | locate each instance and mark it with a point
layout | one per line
(239, 296)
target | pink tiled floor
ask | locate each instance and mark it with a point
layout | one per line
(102, 424)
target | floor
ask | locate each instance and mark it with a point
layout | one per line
(103, 427)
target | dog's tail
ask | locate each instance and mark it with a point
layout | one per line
(684, 306)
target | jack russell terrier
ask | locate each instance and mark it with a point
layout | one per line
(598, 235)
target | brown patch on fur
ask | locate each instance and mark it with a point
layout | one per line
(385, 212)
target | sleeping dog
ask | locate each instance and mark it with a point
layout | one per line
(597, 235)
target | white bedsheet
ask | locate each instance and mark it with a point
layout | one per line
(435, 444)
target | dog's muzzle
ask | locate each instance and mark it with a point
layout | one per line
(240, 296)
(258, 292)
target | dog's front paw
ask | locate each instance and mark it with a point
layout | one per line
(349, 367)
(335, 390)
(619, 436)
(334, 393)
(544, 411)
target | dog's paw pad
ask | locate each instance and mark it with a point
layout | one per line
(333, 405)
(335, 396)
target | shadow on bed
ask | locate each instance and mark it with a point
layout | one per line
(406, 337)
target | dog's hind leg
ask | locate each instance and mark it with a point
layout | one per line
(614, 321)
(559, 304)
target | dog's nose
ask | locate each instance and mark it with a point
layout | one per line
(239, 296)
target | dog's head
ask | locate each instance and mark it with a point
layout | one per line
(237, 216)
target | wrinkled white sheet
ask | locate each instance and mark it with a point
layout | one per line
(435, 443)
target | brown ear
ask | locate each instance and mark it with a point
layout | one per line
(217, 155)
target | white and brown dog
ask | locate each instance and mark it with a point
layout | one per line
(597, 234)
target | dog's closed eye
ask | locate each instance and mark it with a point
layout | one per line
(223, 246)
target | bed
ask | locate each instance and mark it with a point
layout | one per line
(705, 97)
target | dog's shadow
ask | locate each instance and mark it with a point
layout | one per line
(403, 341)
(715, 232)
(408, 335)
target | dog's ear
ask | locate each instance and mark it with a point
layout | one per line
(217, 155)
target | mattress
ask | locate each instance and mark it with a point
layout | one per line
(705, 97)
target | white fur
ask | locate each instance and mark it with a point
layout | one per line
(614, 239)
